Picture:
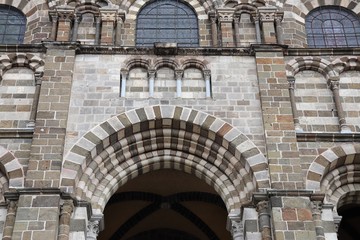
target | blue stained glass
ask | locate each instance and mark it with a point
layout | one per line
(167, 21)
(12, 25)
(332, 26)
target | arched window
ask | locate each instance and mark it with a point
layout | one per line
(167, 21)
(12, 25)
(332, 26)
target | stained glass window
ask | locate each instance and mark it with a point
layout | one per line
(332, 26)
(168, 21)
(12, 25)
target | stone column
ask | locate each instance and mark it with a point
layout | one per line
(334, 85)
(66, 15)
(225, 18)
(279, 33)
(178, 76)
(34, 106)
(207, 76)
(97, 30)
(124, 76)
(119, 23)
(291, 81)
(75, 30)
(264, 220)
(54, 19)
(267, 20)
(10, 220)
(316, 213)
(108, 18)
(64, 222)
(256, 19)
(93, 229)
(151, 82)
(214, 29)
(235, 226)
(236, 28)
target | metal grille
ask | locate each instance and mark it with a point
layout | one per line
(332, 27)
(12, 25)
(167, 21)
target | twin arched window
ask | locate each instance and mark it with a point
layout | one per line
(332, 26)
(12, 25)
(167, 21)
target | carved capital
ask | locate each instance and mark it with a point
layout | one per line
(65, 13)
(334, 84)
(120, 17)
(267, 14)
(207, 74)
(67, 207)
(93, 229)
(152, 73)
(124, 73)
(179, 74)
(291, 81)
(108, 15)
(316, 207)
(225, 15)
(262, 206)
(279, 17)
(53, 16)
(212, 17)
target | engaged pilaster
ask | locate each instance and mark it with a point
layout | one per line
(226, 18)
(108, 21)
(66, 15)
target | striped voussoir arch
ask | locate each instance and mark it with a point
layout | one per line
(300, 10)
(348, 63)
(133, 7)
(29, 8)
(333, 171)
(13, 171)
(317, 64)
(164, 137)
(33, 62)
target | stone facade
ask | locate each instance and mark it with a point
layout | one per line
(271, 125)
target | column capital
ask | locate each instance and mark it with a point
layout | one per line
(108, 15)
(124, 72)
(179, 73)
(212, 16)
(53, 15)
(267, 14)
(235, 225)
(65, 13)
(93, 229)
(225, 14)
(151, 73)
(279, 17)
(262, 206)
(120, 17)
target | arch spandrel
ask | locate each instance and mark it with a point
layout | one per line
(164, 137)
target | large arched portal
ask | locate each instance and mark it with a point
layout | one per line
(165, 204)
(164, 138)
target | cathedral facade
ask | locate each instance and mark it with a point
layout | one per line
(179, 119)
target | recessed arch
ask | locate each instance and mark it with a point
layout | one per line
(317, 64)
(164, 137)
(33, 62)
(13, 170)
(332, 161)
